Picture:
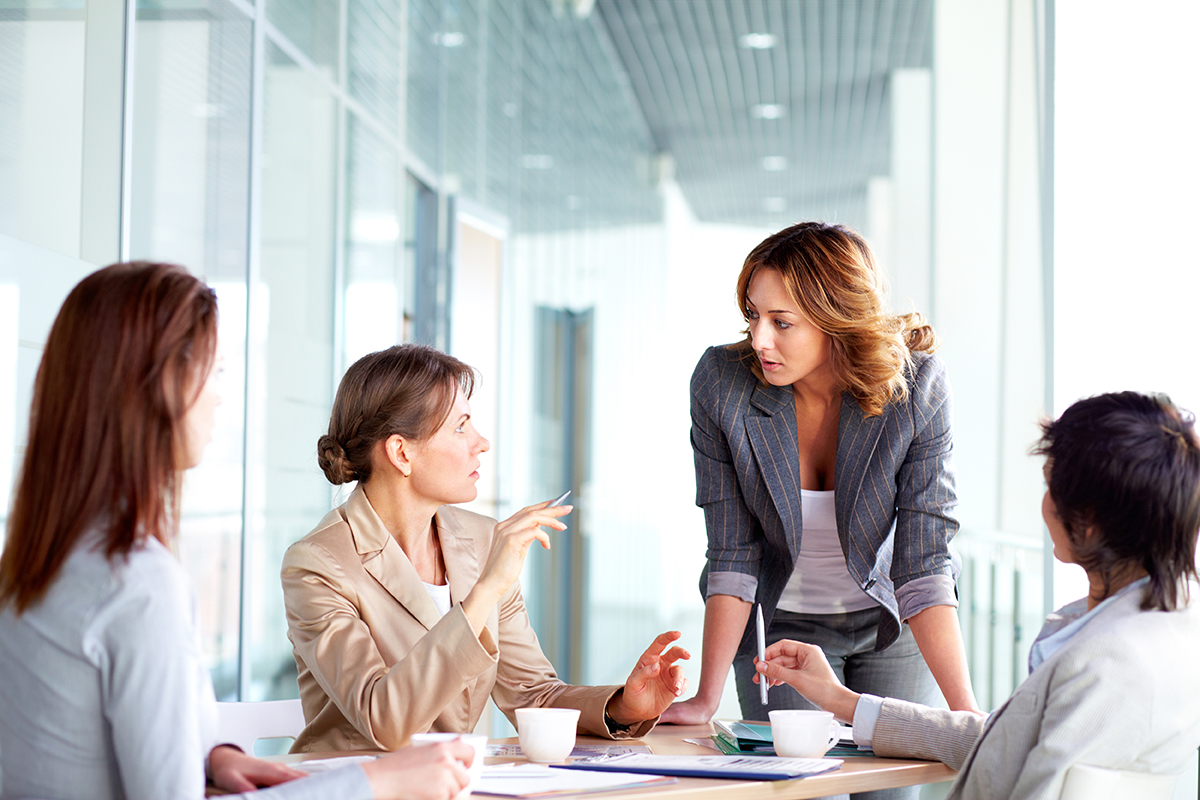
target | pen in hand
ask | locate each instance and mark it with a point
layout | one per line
(762, 652)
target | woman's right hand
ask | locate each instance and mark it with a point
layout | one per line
(805, 668)
(510, 544)
(430, 772)
(695, 711)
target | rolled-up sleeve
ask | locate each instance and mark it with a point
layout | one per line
(923, 568)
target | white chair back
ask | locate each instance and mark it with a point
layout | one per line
(244, 724)
(1085, 782)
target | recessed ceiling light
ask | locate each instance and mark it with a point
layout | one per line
(757, 41)
(537, 161)
(774, 163)
(449, 39)
(768, 111)
(774, 204)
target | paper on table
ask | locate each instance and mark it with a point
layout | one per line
(326, 764)
(535, 780)
(763, 768)
(580, 750)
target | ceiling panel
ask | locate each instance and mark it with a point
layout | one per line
(703, 95)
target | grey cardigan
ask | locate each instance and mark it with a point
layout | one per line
(105, 695)
(893, 484)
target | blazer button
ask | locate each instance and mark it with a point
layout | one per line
(868, 584)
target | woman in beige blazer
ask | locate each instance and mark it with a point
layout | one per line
(1112, 675)
(404, 612)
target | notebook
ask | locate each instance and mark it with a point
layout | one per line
(758, 768)
(754, 738)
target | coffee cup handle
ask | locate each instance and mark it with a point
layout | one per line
(834, 733)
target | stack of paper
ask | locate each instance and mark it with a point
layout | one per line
(535, 780)
(743, 737)
(736, 738)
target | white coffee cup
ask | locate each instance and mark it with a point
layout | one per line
(547, 734)
(803, 734)
(476, 740)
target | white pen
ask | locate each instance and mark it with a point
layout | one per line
(558, 500)
(762, 652)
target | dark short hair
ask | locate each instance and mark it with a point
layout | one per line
(1127, 465)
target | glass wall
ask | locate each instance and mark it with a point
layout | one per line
(347, 174)
(353, 173)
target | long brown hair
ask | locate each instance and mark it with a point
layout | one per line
(830, 273)
(125, 359)
(407, 390)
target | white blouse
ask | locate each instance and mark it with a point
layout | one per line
(821, 582)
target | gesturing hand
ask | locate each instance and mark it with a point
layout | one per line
(235, 771)
(511, 542)
(654, 683)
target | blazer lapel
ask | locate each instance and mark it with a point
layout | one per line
(463, 563)
(772, 436)
(386, 562)
(858, 435)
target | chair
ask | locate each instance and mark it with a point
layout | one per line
(1085, 782)
(244, 724)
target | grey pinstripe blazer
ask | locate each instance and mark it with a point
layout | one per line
(893, 483)
(1122, 694)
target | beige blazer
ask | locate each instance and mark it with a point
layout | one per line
(378, 663)
(1122, 693)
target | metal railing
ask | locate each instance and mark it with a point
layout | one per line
(1000, 608)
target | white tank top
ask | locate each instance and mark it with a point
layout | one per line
(821, 582)
(440, 596)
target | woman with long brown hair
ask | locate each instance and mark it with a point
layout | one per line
(104, 692)
(822, 446)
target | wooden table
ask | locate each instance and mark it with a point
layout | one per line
(857, 774)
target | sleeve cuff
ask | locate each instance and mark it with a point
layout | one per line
(866, 714)
(734, 584)
(922, 593)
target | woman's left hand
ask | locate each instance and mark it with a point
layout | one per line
(653, 685)
(234, 771)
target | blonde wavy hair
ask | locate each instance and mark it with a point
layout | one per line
(830, 273)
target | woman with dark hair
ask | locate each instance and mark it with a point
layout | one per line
(104, 692)
(405, 612)
(1112, 676)
(822, 446)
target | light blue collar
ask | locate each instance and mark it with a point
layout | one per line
(1063, 624)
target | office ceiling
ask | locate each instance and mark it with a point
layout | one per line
(771, 110)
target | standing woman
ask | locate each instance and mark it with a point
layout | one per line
(822, 446)
(405, 612)
(104, 693)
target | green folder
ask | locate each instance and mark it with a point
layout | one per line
(743, 737)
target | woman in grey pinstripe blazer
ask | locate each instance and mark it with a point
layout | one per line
(1112, 675)
(829, 403)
